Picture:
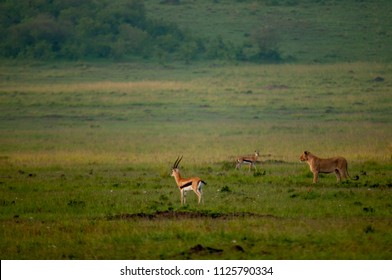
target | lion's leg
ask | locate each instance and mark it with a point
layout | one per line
(344, 171)
(315, 177)
(345, 174)
(338, 175)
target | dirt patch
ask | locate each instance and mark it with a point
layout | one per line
(276, 87)
(276, 161)
(199, 250)
(171, 214)
(378, 79)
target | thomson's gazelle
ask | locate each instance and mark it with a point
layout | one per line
(251, 160)
(187, 184)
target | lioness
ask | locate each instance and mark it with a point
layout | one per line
(320, 165)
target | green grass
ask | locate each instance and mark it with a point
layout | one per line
(86, 151)
(306, 31)
(215, 112)
(86, 147)
(83, 213)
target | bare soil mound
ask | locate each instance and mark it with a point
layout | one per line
(171, 214)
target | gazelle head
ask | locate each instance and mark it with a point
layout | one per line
(175, 170)
(257, 153)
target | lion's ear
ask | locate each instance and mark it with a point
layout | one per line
(306, 152)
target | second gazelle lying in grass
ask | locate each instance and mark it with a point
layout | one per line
(187, 184)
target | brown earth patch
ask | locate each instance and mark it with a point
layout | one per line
(200, 250)
(276, 87)
(171, 214)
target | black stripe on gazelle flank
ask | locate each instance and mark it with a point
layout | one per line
(190, 183)
(247, 160)
(186, 185)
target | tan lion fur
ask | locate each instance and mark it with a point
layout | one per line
(329, 165)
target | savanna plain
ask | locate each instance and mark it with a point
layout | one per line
(87, 149)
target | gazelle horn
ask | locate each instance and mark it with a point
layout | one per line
(177, 162)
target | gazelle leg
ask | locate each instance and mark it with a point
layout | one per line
(200, 192)
(200, 189)
(198, 197)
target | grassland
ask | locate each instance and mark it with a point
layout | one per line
(86, 151)
(305, 31)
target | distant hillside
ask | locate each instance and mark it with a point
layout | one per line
(302, 30)
(268, 31)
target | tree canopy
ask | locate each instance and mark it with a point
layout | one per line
(75, 29)
(121, 29)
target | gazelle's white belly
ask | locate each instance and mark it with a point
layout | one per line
(187, 189)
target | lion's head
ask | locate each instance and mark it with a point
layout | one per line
(304, 156)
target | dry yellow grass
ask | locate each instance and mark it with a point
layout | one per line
(207, 114)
